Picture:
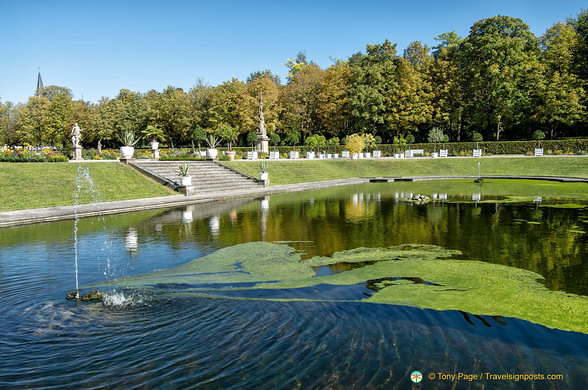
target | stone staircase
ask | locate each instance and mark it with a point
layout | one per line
(208, 177)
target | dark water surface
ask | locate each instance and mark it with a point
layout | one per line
(139, 340)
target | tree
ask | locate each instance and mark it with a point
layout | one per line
(498, 61)
(170, 111)
(295, 65)
(316, 142)
(199, 97)
(435, 136)
(373, 77)
(264, 73)
(448, 102)
(333, 99)
(299, 101)
(247, 104)
(418, 55)
(224, 104)
(560, 94)
(580, 24)
(8, 123)
(355, 144)
(199, 135)
(228, 133)
(44, 119)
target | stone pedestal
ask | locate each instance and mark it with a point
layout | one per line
(155, 154)
(77, 153)
(262, 144)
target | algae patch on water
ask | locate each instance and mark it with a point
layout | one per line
(415, 275)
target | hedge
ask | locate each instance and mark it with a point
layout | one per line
(565, 146)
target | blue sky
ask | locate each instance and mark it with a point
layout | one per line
(97, 48)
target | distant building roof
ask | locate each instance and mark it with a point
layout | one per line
(39, 84)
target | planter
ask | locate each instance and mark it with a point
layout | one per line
(345, 154)
(367, 155)
(154, 145)
(294, 155)
(127, 152)
(186, 181)
(231, 155)
(310, 155)
(336, 155)
(355, 156)
(211, 153)
(263, 176)
(435, 155)
(377, 153)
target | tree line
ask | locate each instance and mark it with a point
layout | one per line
(499, 82)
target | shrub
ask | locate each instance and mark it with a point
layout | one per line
(315, 142)
(355, 144)
(538, 135)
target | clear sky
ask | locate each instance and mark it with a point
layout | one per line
(98, 47)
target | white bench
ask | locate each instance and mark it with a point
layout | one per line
(538, 152)
(274, 155)
(443, 153)
(414, 152)
(251, 155)
(477, 152)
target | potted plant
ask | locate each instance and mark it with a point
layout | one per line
(355, 145)
(229, 134)
(185, 180)
(399, 144)
(199, 135)
(155, 134)
(435, 135)
(129, 140)
(263, 175)
(212, 142)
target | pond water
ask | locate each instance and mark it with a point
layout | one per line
(280, 296)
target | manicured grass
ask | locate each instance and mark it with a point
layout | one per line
(34, 185)
(289, 172)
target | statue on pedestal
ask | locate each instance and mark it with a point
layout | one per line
(262, 144)
(76, 135)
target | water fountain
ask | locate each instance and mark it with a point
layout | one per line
(84, 191)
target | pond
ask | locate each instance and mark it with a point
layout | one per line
(348, 287)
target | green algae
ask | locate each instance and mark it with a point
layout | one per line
(392, 274)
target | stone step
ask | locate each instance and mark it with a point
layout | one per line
(207, 177)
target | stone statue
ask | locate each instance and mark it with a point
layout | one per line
(261, 124)
(76, 134)
(262, 144)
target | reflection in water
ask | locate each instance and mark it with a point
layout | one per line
(186, 342)
(214, 225)
(131, 240)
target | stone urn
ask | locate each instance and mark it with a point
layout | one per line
(127, 152)
(186, 181)
(154, 145)
(263, 176)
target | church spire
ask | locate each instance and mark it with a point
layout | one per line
(39, 82)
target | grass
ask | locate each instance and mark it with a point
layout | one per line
(35, 185)
(290, 172)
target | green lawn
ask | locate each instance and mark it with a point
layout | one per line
(34, 185)
(288, 172)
